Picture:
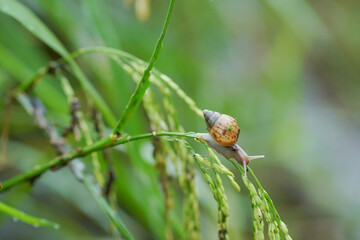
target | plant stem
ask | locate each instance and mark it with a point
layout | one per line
(80, 152)
(26, 218)
(145, 80)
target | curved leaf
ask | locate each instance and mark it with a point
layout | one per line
(31, 22)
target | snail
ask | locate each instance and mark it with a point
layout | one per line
(222, 128)
(222, 137)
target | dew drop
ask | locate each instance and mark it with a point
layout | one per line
(36, 225)
(15, 219)
(56, 226)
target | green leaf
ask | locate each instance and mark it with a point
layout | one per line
(21, 216)
(31, 22)
(144, 83)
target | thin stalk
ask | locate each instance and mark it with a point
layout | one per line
(163, 78)
(80, 152)
(145, 80)
(124, 55)
(26, 218)
(103, 50)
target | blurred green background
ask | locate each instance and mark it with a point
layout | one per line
(289, 71)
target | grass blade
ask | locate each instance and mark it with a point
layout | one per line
(31, 22)
(145, 80)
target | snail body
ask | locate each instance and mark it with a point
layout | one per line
(229, 152)
(222, 128)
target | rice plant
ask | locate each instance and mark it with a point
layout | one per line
(157, 198)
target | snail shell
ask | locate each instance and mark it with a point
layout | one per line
(222, 128)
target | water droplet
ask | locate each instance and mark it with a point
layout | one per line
(56, 226)
(15, 219)
(31, 28)
(36, 225)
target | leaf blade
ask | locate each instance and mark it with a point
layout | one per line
(32, 23)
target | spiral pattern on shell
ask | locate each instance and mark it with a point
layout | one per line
(222, 128)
